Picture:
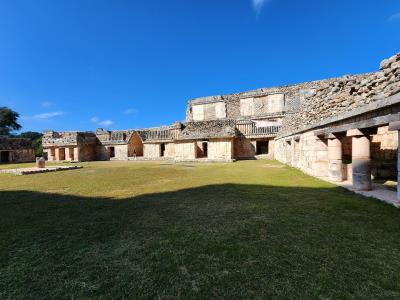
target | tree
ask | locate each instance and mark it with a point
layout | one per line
(8, 121)
(36, 139)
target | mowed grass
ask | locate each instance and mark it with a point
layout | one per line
(253, 229)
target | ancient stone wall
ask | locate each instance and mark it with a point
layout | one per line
(73, 138)
(345, 94)
(384, 144)
(135, 146)
(185, 151)
(151, 150)
(16, 150)
(169, 150)
(307, 152)
(208, 129)
(17, 156)
(220, 149)
(244, 148)
(87, 153)
(312, 156)
(121, 152)
(253, 104)
(102, 153)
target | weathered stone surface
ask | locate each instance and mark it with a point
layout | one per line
(40, 162)
(16, 150)
(344, 95)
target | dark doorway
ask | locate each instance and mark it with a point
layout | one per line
(61, 152)
(205, 149)
(262, 147)
(112, 151)
(162, 150)
(5, 156)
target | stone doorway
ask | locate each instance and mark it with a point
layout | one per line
(205, 149)
(162, 150)
(262, 147)
(4, 156)
(111, 151)
(61, 154)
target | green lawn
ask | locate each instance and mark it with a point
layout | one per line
(254, 229)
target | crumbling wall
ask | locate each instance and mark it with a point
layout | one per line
(21, 156)
(344, 95)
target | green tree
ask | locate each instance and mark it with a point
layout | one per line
(8, 121)
(36, 139)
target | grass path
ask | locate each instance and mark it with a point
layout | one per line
(253, 229)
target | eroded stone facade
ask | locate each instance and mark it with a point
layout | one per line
(340, 131)
(16, 150)
(335, 129)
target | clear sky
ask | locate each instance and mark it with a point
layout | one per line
(83, 64)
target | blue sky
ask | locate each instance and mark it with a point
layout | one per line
(82, 64)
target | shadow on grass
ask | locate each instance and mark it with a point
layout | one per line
(230, 241)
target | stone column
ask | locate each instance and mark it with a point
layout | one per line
(57, 152)
(395, 126)
(76, 154)
(52, 151)
(398, 166)
(293, 150)
(335, 158)
(68, 153)
(361, 160)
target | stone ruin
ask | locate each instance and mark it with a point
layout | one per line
(316, 126)
(16, 150)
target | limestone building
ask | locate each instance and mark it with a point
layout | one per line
(16, 150)
(335, 129)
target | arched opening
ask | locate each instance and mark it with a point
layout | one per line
(135, 146)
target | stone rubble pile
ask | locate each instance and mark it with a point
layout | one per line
(346, 94)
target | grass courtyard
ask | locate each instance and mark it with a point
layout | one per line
(254, 229)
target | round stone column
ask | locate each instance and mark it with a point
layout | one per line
(335, 159)
(361, 160)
